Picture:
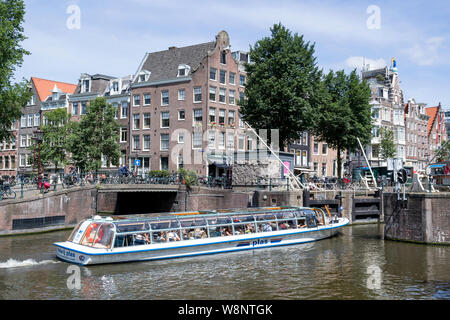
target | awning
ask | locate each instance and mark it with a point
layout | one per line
(437, 166)
(220, 165)
(304, 169)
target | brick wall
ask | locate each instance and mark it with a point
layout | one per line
(425, 218)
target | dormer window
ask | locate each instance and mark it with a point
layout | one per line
(143, 76)
(115, 86)
(183, 70)
(85, 85)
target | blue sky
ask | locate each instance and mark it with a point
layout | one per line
(114, 35)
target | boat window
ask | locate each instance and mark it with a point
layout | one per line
(264, 217)
(286, 224)
(104, 236)
(89, 234)
(223, 220)
(130, 227)
(194, 233)
(239, 228)
(124, 240)
(75, 232)
(141, 239)
(215, 232)
(187, 222)
(266, 226)
(311, 221)
(320, 216)
(243, 218)
(301, 222)
(166, 236)
(200, 222)
(163, 224)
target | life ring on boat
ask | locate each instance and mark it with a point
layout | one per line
(90, 235)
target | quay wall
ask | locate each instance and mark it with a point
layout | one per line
(49, 211)
(423, 217)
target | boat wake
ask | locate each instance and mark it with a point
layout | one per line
(12, 263)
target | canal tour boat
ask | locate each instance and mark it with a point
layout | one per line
(100, 240)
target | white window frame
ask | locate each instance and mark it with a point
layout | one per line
(181, 119)
(168, 118)
(147, 94)
(144, 148)
(161, 141)
(196, 91)
(162, 97)
(181, 97)
(149, 120)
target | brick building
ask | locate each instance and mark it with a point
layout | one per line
(416, 123)
(184, 110)
(117, 93)
(437, 132)
(8, 153)
(44, 91)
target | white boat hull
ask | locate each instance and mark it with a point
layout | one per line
(78, 254)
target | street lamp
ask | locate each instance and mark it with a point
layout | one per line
(39, 137)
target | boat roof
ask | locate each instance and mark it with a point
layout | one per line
(197, 214)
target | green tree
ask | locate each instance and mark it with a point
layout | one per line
(12, 96)
(346, 114)
(443, 154)
(283, 88)
(387, 146)
(95, 135)
(55, 138)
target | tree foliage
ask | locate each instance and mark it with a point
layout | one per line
(387, 146)
(95, 135)
(443, 154)
(283, 88)
(55, 138)
(12, 96)
(346, 115)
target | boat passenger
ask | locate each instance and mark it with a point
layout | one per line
(217, 233)
(284, 226)
(173, 236)
(238, 231)
(301, 224)
(161, 236)
(198, 233)
(185, 235)
(266, 227)
(227, 231)
(249, 228)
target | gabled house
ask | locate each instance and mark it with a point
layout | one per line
(184, 110)
(437, 132)
(46, 93)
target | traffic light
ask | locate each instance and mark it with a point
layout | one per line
(402, 176)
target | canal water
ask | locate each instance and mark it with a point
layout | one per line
(356, 264)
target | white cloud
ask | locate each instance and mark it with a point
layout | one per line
(359, 62)
(426, 53)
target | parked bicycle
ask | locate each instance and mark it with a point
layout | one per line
(6, 192)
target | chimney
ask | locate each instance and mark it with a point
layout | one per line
(173, 47)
